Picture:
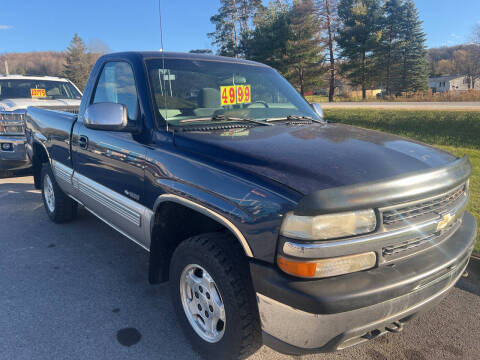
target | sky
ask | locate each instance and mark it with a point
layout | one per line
(32, 25)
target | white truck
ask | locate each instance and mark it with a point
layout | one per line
(17, 92)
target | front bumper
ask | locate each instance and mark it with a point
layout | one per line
(16, 158)
(305, 316)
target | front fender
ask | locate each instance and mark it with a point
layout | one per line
(250, 212)
(214, 214)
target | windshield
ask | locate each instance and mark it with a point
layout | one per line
(37, 89)
(185, 90)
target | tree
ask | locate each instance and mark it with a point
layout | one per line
(329, 17)
(201, 51)
(414, 74)
(232, 23)
(49, 63)
(476, 34)
(390, 45)
(288, 39)
(471, 67)
(77, 62)
(443, 61)
(303, 50)
(445, 67)
(97, 46)
(267, 43)
(358, 39)
(249, 10)
(467, 63)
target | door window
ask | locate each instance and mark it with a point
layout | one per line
(117, 84)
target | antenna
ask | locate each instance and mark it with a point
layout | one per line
(161, 25)
(162, 76)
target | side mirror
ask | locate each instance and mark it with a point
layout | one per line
(318, 109)
(106, 116)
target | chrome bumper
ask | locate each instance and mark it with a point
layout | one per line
(16, 158)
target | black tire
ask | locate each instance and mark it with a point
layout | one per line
(64, 208)
(223, 258)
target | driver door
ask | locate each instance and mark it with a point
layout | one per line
(109, 165)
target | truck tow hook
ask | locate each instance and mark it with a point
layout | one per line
(394, 327)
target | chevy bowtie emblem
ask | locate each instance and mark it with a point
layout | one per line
(446, 221)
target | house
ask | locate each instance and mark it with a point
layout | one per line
(451, 83)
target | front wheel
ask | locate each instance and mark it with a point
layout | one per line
(213, 297)
(59, 207)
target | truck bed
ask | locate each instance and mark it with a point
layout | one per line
(53, 129)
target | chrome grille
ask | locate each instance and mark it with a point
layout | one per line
(417, 242)
(12, 123)
(435, 205)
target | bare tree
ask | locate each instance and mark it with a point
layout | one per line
(97, 46)
(476, 34)
(467, 63)
(35, 63)
(328, 16)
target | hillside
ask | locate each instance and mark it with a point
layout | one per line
(35, 63)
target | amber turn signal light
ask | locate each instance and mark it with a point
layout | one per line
(328, 267)
(296, 268)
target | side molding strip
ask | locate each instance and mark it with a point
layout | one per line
(119, 230)
(128, 209)
(62, 172)
(211, 214)
(124, 214)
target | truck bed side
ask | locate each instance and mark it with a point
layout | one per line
(52, 130)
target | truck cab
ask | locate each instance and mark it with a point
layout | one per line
(17, 92)
(270, 224)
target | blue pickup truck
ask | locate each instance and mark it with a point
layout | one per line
(271, 225)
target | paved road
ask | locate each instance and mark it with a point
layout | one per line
(447, 106)
(79, 291)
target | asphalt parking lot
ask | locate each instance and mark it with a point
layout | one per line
(80, 291)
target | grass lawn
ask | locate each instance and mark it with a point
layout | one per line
(456, 132)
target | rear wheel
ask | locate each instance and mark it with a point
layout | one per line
(59, 207)
(213, 297)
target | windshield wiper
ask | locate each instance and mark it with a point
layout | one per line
(294, 118)
(221, 117)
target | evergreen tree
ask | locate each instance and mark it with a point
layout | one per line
(414, 73)
(77, 62)
(267, 43)
(303, 50)
(389, 53)
(358, 39)
(201, 51)
(232, 23)
(249, 10)
(288, 39)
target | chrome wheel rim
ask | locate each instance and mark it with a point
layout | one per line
(202, 303)
(48, 193)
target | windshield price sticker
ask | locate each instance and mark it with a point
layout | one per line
(38, 92)
(228, 95)
(244, 94)
(235, 94)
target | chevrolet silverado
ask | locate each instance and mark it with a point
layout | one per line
(271, 225)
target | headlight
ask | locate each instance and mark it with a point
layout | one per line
(328, 226)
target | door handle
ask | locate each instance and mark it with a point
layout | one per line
(83, 141)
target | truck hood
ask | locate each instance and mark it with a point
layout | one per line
(23, 103)
(314, 157)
